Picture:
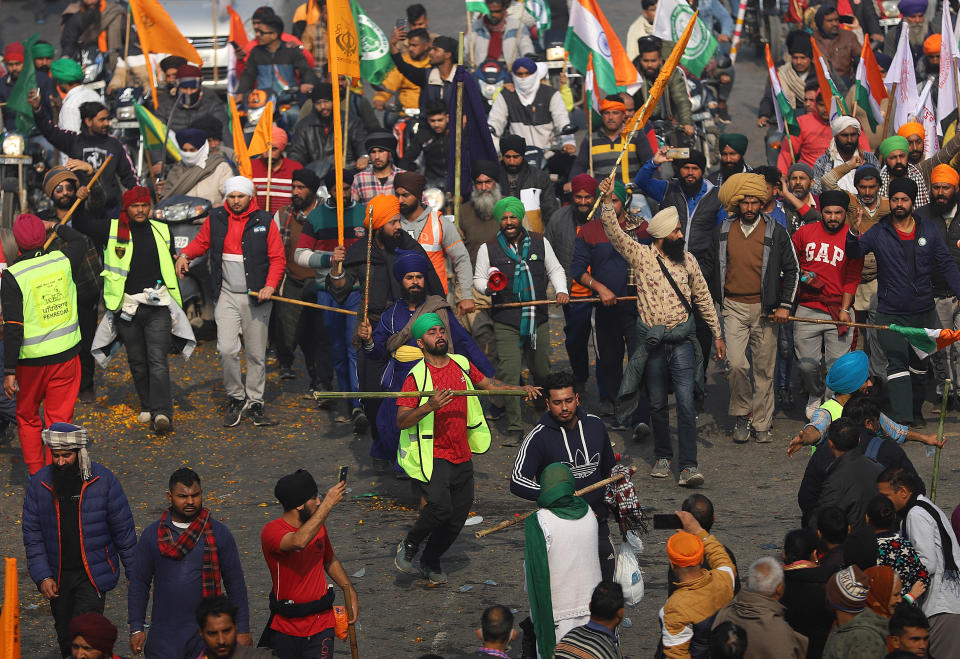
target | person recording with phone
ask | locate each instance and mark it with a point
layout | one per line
(299, 555)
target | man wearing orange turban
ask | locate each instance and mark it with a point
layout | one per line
(369, 288)
(944, 186)
(700, 592)
(915, 134)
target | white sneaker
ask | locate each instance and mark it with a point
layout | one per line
(812, 405)
(144, 418)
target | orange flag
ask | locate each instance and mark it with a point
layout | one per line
(238, 33)
(10, 617)
(159, 34)
(263, 133)
(343, 44)
(240, 155)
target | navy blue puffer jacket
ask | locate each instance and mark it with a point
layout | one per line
(107, 532)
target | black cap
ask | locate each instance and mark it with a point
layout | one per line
(295, 489)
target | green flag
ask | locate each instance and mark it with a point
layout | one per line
(478, 6)
(668, 24)
(540, 11)
(26, 81)
(375, 60)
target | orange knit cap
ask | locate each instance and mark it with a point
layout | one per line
(685, 549)
(931, 45)
(381, 209)
(945, 174)
(911, 128)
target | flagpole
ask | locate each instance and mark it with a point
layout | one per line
(586, 107)
(216, 77)
(126, 46)
(956, 88)
(338, 149)
(886, 117)
(469, 47)
(269, 167)
(459, 141)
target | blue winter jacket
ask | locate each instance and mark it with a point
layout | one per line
(903, 289)
(107, 531)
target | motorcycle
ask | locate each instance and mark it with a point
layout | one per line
(762, 25)
(703, 106)
(184, 216)
(22, 168)
(558, 65)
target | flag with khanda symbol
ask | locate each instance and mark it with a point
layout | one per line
(343, 40)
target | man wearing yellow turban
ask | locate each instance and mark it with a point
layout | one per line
(753, 270)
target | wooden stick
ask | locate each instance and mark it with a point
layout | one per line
(458, 122)
(126, 47)
(77, 201)
(831, 321)
(519, 518)
(290, 300)
(351, 630)
(936, 458)
(886, 117)
(269, 167)
(534, 303)
(320, 395)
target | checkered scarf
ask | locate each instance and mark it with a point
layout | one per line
(68, 437)
(177, 549)
(523, 290)
(621, 497)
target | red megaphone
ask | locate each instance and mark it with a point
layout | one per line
(497, 281)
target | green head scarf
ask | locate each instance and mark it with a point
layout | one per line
(893, 143)
(557, 489)
(735, 141)
(424, 323)
(511, 204)
(620, 191)
(41, 50)
(66, 70)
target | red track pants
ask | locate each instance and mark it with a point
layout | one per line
(55, 386)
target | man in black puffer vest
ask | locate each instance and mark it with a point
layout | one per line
(525, 263)
(246, 254)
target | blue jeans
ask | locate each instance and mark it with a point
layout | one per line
(783, 371)
(674, 363)
(340, 334)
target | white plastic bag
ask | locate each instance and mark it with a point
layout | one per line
(628, 573)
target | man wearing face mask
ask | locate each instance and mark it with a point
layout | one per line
(199, 173)
(843, 147)
(530, 110)
(530, 185)
(733, 146)
(191, 102)
(826, 291)
(908, 249)
(942, 211)
(753, 272)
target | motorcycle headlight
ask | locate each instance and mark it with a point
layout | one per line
(13, 145)
(126, 113)
(555, 53)
(177, 212)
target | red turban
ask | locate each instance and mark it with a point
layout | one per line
(29, 232)
(584, 183)
(381, 209)
(135, 195)
(13, 52)
(96, 630)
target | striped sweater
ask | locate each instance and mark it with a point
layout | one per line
(281, 183)
(587, 642)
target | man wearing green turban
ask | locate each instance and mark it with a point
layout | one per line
(894, 163)
(516, 267)
(438, 436)
(733, 147)
(42, 53)
(560, 595)
(67, 76)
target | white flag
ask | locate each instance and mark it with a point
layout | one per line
(902, 73)
(949, 55)
(926, 116)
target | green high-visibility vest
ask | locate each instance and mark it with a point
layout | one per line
(415, 455)
(836, 411)
(116, 264)
(50, 324)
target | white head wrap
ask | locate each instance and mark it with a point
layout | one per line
(663, 223)
(68, 437)
(842, 123)
(196, 158)
(238, 184)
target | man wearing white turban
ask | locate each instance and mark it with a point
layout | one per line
(845, 147)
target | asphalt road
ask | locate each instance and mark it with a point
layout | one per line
(753, 486)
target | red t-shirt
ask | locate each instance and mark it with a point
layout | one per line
(824, 253)
(297, 576)
(906, 235)
(450, 422)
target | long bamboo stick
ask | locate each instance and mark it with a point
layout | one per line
(320, 395)
(936, 458)
(290, 300)
(831, 321)
(516, 520)
(536, 303)
(77, 201)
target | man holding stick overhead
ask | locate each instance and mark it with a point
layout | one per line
(669, 283)
(438, 435)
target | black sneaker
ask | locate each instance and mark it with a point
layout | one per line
(404, 558)
(360, 423)
(287, 373)
(234, 412)
(255, 414)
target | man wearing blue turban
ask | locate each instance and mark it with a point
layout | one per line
(393, 339)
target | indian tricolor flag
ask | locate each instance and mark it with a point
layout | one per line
(870, 88)
(827, 89)
(589, 32)
(591, 95)
(926, 341)
(786, 117)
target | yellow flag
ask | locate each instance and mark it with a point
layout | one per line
(343, 41)
(263, 133)
(240, 155)
(159, 34)
(10, 617)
